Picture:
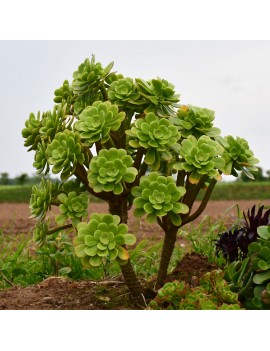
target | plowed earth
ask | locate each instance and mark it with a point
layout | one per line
(56, 293)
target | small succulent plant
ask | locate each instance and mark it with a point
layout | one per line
(110, 169)
(123, 92)
(158, 196)
(237, 156)
(200, 157)
(64, 152)
(102, 239)
(89, 75)
(41, 159)
(40, 233)
(212, 293)
(51, 123)
(96, 122)
(72, 207)
(156, 135)
(159, 95)
(250, 278)
(64, 93)
(196, 121)
(42, 197)
(234, 243)
(31, 131)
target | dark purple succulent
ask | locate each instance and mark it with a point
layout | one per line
(234, 243)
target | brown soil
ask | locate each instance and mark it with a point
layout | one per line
(57, 293)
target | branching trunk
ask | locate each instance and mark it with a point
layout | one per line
(167, 250)
(118, 206)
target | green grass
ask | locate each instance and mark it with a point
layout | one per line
(222, 191)
(15, 193)
(241, 191)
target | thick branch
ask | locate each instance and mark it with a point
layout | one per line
(103, 92)
(180, 178)
(57, 229)
(202, 205)
(138, 158)
(81, 173)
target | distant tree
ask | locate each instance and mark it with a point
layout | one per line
(22, 179)
(258, 176)
(268, 174)
(4, 178)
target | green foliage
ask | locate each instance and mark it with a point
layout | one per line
(159, 95)
(250, 278)
(156, 135)
(213, 293)
(31, 131)
(41, 198)
(73, 207)
(110, 170)
(237, 156)
(158, 196)
(102, 239)
(195, 121)
(64, 94)
(64, 152)
(123, 92)
(96, 121)
(200, 157)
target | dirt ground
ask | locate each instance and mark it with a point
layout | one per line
(56, 293)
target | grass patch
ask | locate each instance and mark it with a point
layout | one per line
(15, 193)
(241, 191)
(222, 191)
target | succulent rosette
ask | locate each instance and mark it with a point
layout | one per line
(64, 152)
(31, 131)
(158, 196)
(237, 156)
(40, 233)
(196, 121)
(89, 75)
(102, 239)
(155, 134)
(110, 169)
(123, 92)
(72, 207)
(200, 157)
(51, 123)
(64, 93)
(96, 122)
(42, 197)
(41, 162)
(160, 94)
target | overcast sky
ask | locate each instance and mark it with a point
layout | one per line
(230, 77)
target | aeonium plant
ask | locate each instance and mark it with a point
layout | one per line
(131, 144)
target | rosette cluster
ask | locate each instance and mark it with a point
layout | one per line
(159, 95)
(109, 169)
(158, 196)
(200, 157)
(31, 131)
(196, 121)
(72, 207)
(88, 75)
(64, 152)
(102, 239)
(96, 122)
(237, 156)
(156, 135)
(123, 92)
(41, 198)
